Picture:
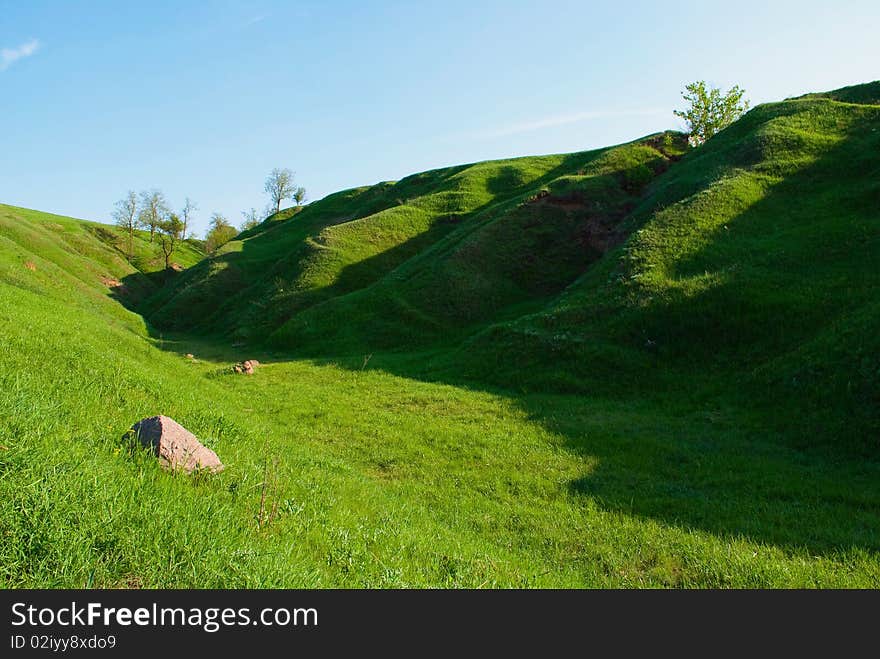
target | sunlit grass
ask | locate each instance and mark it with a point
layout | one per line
(697, 408)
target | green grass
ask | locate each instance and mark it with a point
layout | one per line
(463, 388)
(386, 481)
(755, 269)
(332, 254)
(86, 259)
(147, 256)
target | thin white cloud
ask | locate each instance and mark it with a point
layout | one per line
(8, 56)
(565, 119)
(255, 19)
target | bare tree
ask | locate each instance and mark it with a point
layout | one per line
(170, 231)
(125, 216)
(154, 210)
(188, 209)
(251, 219)
(299, 195)
(279, 186)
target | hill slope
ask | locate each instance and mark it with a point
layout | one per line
(753, 258)
(89, 257)
(375, 480)
(351, 241)
(757, 260)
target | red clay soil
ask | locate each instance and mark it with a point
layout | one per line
(114, 284)
(594, 232)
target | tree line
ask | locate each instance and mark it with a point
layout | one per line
(151, 211)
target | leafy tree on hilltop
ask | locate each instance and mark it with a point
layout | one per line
(710, 111)
(219, 233)
(170, 232)
(299, 195)
(125, 216)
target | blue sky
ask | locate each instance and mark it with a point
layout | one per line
(205, 98)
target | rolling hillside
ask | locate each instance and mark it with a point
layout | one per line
(754, 258)
(638, 366)
(352, 240)
(87, 257)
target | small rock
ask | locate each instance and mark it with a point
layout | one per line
(175, 446)
(247, 367)
(189, 355)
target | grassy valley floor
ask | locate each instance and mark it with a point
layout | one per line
(338, 476)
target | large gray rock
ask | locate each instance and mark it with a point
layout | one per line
(175, 446)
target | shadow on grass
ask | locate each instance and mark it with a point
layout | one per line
(717, 470)
(709, 461)
(242, 284)
(137, 287)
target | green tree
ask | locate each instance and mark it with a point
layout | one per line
(125, 216)
(220, 232)
(710, 111)
(299, 196)
(170, 232)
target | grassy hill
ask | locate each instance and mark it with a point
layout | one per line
(637, 366)
(757, 263)
(491, 229)
(89, 258)
(748, 264)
